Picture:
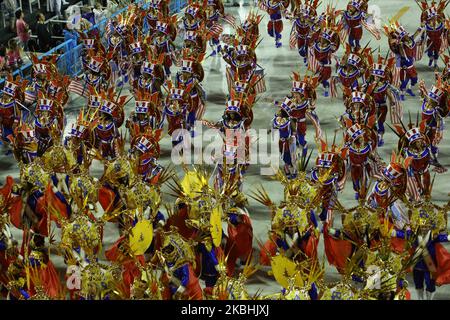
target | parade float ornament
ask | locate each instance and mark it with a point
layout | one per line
(141, 236)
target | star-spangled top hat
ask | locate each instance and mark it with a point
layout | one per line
(10, 88)
(355, 131)
(325, 160)
(358, 97)
(287, 105)
(161, 26)
(44, 104)
(108, 107)
(78, 130)
(40, 68)
(186, 66)
(147, 67)
(89, 43)
(95, 64)
(241, 50)
(136, 47)
(393, 171)
(378, 70)
(298, 86)
(176, 93)
(328, 35)
(143, 145)
(413, 134)
(233, 106)
(190, 35)
(435, 94)
(142, 106)
(353, 59)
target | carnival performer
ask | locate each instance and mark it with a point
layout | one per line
(381, 74)
(403, 45)
(323, 48)
(415, 144)
(213, 12)
(434, 110)
(433, 22)
(11, 104)
(353, 18)
(428, 234)
(275, 9)
(305, 25)
(361, 141)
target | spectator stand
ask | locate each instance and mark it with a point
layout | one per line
(69, 52)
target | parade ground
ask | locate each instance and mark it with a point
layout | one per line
(278, 65)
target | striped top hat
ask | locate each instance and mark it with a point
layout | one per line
(190, 35)
(400, 32)
(143, 145)
(287, 105)
(142, 106)
(186, 66)
(233, 106)
(378, 70)
(136, 47)
(355, 3)
(355, 131)
(325, 160)
(304, 10)
(78, 130)
(393, 171)
(161, 26)
(176, 94)
(10, 88)
(192, 11)
(147, 67)
(40, 68)
(358, 97)
(298, 86)
(108, 107)
(246, 25)
(431, 13)
(89, 43)
(154, 4)
(94, 101)
(121, 28)
(327, 35)
(435, 94)
(95, 64)
(240, 86)
(44, 105)
(413, 134)
(241, 50)
(353, 59)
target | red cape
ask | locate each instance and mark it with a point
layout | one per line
(239, 242)
(14, 203)
(442, 275)
(336, 250)
(130, 268)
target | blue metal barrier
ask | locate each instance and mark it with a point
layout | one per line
(69, 61)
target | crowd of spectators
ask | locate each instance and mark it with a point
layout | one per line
(34, 33)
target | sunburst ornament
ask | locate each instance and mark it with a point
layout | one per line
(141, 237)
(216, 225)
